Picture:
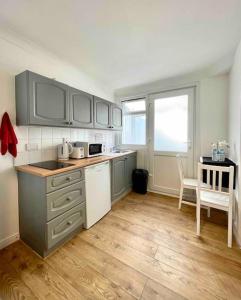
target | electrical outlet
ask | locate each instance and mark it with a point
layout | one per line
(32, 147)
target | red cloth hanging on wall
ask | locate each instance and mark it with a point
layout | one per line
(7, 136)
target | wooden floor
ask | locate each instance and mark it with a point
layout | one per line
(145, 248)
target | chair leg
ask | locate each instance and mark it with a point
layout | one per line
(198, 208)
(208, 212)
(230, 225)
(180, 197)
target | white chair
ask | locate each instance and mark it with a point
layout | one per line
(215, 196)
(186, 183)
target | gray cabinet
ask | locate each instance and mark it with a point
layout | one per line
(118, 177)
(130, 166)
(121, 179)
(81, 109)
(46, 102)
(41, 101)
(116, 117)
(51, 209)
(102, 113)
(107, 115)
(62, 226)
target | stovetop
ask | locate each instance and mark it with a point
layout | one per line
(51, 165)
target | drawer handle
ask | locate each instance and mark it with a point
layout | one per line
(69, 223)
(68, 178)
(68, 199)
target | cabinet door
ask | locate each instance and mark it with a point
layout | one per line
(116, 117)
(48, 101)
(130, 166)
(102, 113)
(81, 109)
(118, 177)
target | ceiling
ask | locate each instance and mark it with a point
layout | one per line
(129, 42)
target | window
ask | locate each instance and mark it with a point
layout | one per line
(134, 122)
(171, 124)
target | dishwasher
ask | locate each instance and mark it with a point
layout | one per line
(98, 192)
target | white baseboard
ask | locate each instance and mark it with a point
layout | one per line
(162, 193)
(9, 240)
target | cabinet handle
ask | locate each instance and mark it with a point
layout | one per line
(68, 198)
(70, 123)
(68, 178)
(69, 223)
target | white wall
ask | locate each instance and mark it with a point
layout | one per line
(211, 111)
(235, 132)
(16, 56)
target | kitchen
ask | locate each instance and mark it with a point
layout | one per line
(71, 226)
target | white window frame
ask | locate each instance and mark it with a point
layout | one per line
(137, 146)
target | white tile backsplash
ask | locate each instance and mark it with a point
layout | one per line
(65, 132)
(21, 132)
(34, 132)
(47, 144)
(37, 141)
(56, 142)
(35, 156)
(47, 133)
(47, 139)
(21, 146)
(57, 133)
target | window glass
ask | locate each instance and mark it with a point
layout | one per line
(134, 122)
(171, 124)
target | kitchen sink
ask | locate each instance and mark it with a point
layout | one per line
(120, 151)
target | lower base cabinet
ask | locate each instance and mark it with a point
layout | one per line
(51, 209)
(121, 175)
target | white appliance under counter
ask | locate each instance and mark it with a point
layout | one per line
(98, 192)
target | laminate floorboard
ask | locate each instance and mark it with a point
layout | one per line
(144, 248)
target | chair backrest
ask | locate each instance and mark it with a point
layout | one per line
(214, 178)
(180, 167)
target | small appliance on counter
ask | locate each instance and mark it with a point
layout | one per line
(78, 151)
(92, 149)
(64, 150)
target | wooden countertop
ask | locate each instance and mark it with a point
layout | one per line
(77, 163)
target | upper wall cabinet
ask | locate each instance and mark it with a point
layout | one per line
(81, 109)
(102, 113)
(116, 117)
(107, 115)
(41, 101)
(46, 102)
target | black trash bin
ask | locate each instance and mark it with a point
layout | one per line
(140, 180)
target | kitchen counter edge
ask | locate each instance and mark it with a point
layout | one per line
(77, 163)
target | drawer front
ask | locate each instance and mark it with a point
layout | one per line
(59, 181)
(62, 200)
(62, 226)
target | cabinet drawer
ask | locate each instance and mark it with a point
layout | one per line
(65, 224)
(59, 181)
(62, 200)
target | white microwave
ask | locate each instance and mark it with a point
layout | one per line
(92, 149)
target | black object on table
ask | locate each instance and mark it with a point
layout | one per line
(227, 163)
